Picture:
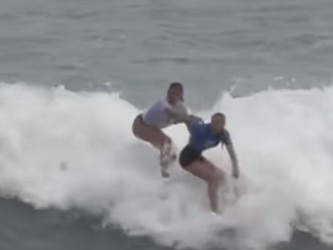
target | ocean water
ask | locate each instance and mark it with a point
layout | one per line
(75, 73)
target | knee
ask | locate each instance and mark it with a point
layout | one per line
(165, 138)
(217, 177)
(134, 130)
(135, 126)
(220, 176)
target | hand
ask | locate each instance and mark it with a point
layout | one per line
(235, 172)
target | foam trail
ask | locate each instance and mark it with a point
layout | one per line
(63, 149)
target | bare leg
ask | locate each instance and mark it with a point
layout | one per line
(213, 177)
(167, 156)
(157, 139)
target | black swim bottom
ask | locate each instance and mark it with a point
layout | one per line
(189, 155)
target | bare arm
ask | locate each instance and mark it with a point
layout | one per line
(234, 160)
(177, 116)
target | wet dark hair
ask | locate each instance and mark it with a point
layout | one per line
(179, 86)
(219, 114)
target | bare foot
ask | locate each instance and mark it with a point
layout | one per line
(164, 165)
(173, 157)
(164, 173)
(165, 159)
(218, 213)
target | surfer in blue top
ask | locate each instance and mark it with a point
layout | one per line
(204, 136)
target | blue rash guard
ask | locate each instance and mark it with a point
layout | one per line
(202, 137)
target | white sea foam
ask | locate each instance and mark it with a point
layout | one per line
(65, 149)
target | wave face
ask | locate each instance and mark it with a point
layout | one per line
(75, 150)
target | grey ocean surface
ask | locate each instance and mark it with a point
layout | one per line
(139, 47)
(142, 45)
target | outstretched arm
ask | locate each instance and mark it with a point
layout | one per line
(231, 151)
(234, 160)
(177, 116)
(193, 120)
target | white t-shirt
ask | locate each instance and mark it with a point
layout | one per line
(156, 116)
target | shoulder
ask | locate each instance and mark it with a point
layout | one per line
(226, 132)
(164, 102)
(201, 126)
(198, 127)
(225, 137)
(181, 104)
(161, 103)
(181, 107)
(193, 121)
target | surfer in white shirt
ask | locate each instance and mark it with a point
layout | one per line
(148, 126)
